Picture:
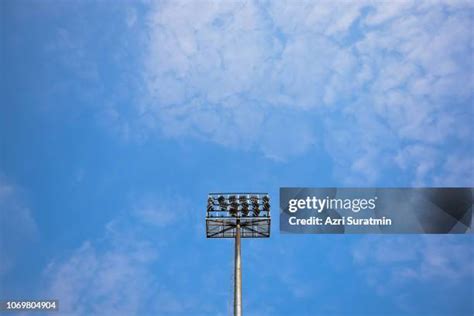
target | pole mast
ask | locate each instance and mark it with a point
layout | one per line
(237, 275)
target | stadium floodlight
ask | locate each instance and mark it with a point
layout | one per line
(233, 219)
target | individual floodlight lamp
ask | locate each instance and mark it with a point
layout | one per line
(244, 205)
(266, 204)
(222, 203)
(233, 219)
(210, 204)
(234, 205)
(255, 205)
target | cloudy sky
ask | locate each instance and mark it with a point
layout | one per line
(117, 119)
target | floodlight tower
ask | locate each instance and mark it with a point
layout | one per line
(238, 215)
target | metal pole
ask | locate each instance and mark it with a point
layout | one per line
(237, 275)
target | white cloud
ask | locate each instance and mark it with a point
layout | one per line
(221, 71)
(159, 211)
(421, 158)
(393, 263)
(131, 17)
(409, 270)
(93, 281)
(113, 273)
(288, 78)
(455, 171)
(109, 275)
(17, 225)
(136, 266)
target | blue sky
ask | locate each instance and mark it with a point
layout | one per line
(117, 119)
